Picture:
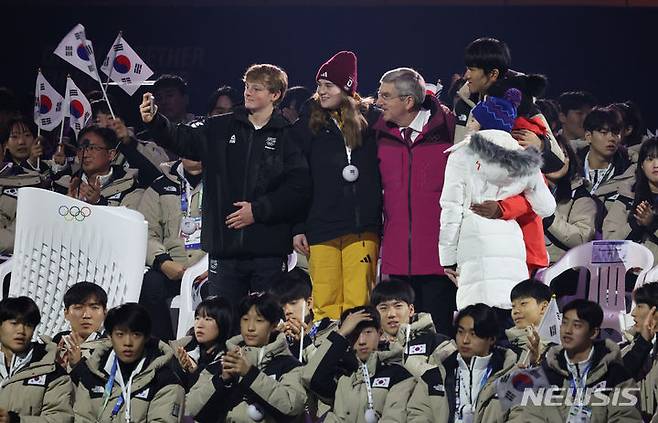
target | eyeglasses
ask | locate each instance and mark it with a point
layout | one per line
(389, 97)
(93, 147)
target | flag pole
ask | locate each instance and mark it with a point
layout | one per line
(61, 131)
(38, 143)
(111, 63)
(100, 82)
(301, 334)
(38, 94)
(107, 100)
(65, 106)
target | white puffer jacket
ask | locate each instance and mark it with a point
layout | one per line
(490, 254)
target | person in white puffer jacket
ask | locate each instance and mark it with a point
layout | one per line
(489, 253)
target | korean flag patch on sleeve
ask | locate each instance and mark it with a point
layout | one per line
(37, 381)
(381, 382)
(418, 349)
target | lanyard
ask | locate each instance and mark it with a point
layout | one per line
(468, 389)
(406, 347)
(314, 330)
(348, 150)
(186, 196)
(366, 379)
(108, 388)
(604, 178)
(186, 192)
(579, 411)
(582, 381)
(125, 389)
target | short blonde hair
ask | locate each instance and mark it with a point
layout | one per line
(273, 77)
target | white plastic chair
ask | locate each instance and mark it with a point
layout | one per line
(61, 241)
(647, 276)
(5, 269)
(607, 262)
(190, 296)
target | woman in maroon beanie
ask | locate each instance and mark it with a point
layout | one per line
(340, 231)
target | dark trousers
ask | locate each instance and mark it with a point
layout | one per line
(233, 279)
(504, 317)
(157, 291)
(436, 295)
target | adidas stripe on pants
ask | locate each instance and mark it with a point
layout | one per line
(344, 271)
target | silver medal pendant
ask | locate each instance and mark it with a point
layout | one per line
(255, 413)
(350, 173)
(371, 416)
(188, 226)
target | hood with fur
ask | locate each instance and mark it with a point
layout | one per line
(498, 147)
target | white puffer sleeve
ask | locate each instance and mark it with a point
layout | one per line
(452, 202)
(539, 196)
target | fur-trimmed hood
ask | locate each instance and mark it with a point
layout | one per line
(498, 147)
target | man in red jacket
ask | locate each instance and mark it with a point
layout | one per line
(413, 133)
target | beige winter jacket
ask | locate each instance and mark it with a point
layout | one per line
(616, 224)
(273, 385)
(11, 179)
(40, 392)
(122, 189)
(391, 383)
(607, 191)
(434, 398)
(161, 207)
(418, 341)
(607, 371)
(155, 396)
(573, 224)
(638, 353)
(150, 150)
(518, 339)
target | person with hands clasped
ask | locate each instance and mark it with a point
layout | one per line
(364, 384)
(98, 182)
(632, 215)
(259, 380)
(256, 182)
(294, 292)
(199, 354)
(85, 308)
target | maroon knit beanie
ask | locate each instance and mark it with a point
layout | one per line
(341, 70)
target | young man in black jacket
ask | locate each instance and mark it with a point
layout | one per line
(256, 183)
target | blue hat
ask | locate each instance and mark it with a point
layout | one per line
(498, 113)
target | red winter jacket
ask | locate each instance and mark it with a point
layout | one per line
(519, 209)
(412, 180)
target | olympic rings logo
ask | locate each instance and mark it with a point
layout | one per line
(74, 213)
